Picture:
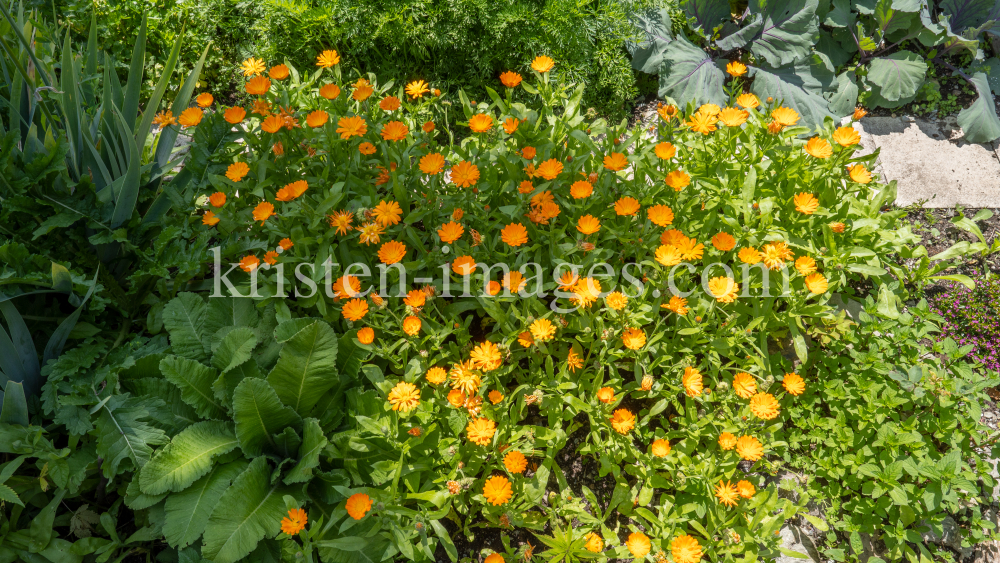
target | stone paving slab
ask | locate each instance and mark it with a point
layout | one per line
(931, 162)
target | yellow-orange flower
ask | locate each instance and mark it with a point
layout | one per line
(723, 289)
(295, 522)
(668, 255)
(411, 325)
(218, 199)
(456, 398)
(404, 397)
(581, 189)
(846, 136)
(692, 382)
(665, 151)
(450, 232)
(480, 123)
(497, 490)
(417, 89)
(726, 492)
(749, 448)
(703, 123)
(859, 112)
(480, 431)
(615, 161)
(258, 86)
(389, 103)
(542, 64)
(724, 242)
(463, 265)
(638, 544)
(677, 179)
(727, 441)
(366, 148)
(660, 215)
(736, 68)
(346, 286)
(495, 396)
(550, 169)
(746, 489)
(514, 234)
(775, 254)
(353, 126)
(542, 330)
(465, 174)
(860, 174)
(626, 206)
(341, 221)
(249, 263)
(595, 543)
(415, 298)
(327, 59)
(204, 99)
(510, 79)
(395, 131)
(366, 335)
(677, 304)
(606, 395)
(515, 462)
(392, 252)
(362, 90)
(586, 291)
(234, 115)
(744, 385)
(710, 109)
(428, 126)
(818, 148)
(749, 255)
(209, 219)
(806, 203)
(623, 421)
(816, 283)
(616, 300)
(660, 447)
(370, 233)
(292, 191)
(435, 376)
(355, 309)
(263, 210)
(794, 384)
(588, 225)
(387, 213)
(732, 117)
(511, 125)
(837, 227)
(805, 265)
(317, 118)
(329, 91)
(786, 117)
(573, 360)
(358, 505)
(764, 405)
(486, 356)
(272, 124)
(190, 117)
(514, 281)
(748, 101)
(278, 72)
(685, 549)
(432, 164)
(633, 338)
(237, 171)
(252, 67)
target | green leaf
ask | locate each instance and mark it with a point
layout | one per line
(184, 319)
(250, 510)
(818, 522)
(891, 19)
(195, 382)
(739, 38)
(690, 74)
(979, 121)
(313, 442)
(15, 407)
(124, 433)
(7, 494)
(790, 29)
(188, 511)
(787, 85)
(845, 98)
(187, 457)
(236, 348)
(705, 15)
(306, 368)
(898, 75)
(648, 57)
(259, 415)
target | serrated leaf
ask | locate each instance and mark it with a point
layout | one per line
(979, 121)
(124, 433)
(236, 348)
(259, 415)
(780, 85)
(7, 494)
(187, 457)
(313, 442)
(790, 28)
(184, 319)
(306, 368)
(188, 511)
(689, 74)
(898, 75)
(250, 510)
(195, 382)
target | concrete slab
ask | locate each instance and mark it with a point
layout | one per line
(931, 162)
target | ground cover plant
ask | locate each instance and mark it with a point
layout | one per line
(657, 304)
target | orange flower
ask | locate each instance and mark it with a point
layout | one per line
(846, 136)
(816, 283)
(428, 126)
(748, 101)
(514, 234)
(436, 376)
(432, 164)
(404, 397)
(550, 169)
(794, 384)
(588, 225)
(660, 448)
(292, 191)
(209, 219)
(732, 117)
(818, 148)
(463, 265)
(263, 210)
(295, 522)
(480, 431)
(785, 117)
(806, 203)
(204, 99)
(493, 287)
(362, 90)
(252, 66)
(633, 338)
(586, 291)
(542, 330)
(805, 265)
(525, 339)
(692, 381)
(573, 361)
(395, 131)
(660, 215)
(341, 221)
(249, 263)
(392, 252)
(515, 462)
(514, 281)
(749, 448)
(726, 492)
(749, 256)
(667, 112)
(685, 549)
(417, 89)
(724, 242)
(623, 421)
(415, 298)
(859, 113)
(775, 253)
(528, 152)
(486, 356)
(626, 206)
(510, 79)
(355, 309)
(581, 189)
(510, 125)
(595, 543)
(665, 151)
(497, 490)
(638, 545)
(261, 108)
(329, 91)
(354, 126)
(837, 227)
(237, 171)
(703, 123)
(456, 398)
(272, 124)
(736, 68)
(346, 286)
(723, 289)
(164, 119)
(327, 59)
(389, 103)
(727, 441)
(615, 161)
(606, 395)
(677, 179)
(481, 123)
(465, 174)
(411, 325)
(258, 86)
(746, 489)
(366, 335)
(677, 304)
(190, 117)
(218, 199)
(744, 385)
(387, 213)
(450, 232)
(278, 72)
(358, 505)
(860, 174)
(317, 118)
(616, 300)
(366, 148)
(542, 64)
(495, 396)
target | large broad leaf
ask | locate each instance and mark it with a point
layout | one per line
(259, 415)
(123, 432)
(187, 457)
(898, 75)
(236, 348)
(891, 19)
(963, 14)
(740, 37)
(979, 121)
(306, 368)
(250, 510)
(187, 512)
(313, 442)
(789, 30)
(195, 382)
(226, 312)
(705, 15)
(648, 56)
(845, 98)
(690, 75)
(184, 319)
(788, 85)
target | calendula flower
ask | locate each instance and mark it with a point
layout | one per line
(292, 191)
(550, 169)
(417, 89)
(846, 136)
(685, 549)
(341, 221)
(263, 210)
(272, 124)
(626, 206)
(456, 398)
(775, 254)
(588, 225)
(668, 255)
(748, 101)
(633, 338)
(745, 489)
(859, 113)
(673, 237)
(261, 108)
(190, 117)
(616, 300)
(606, 395)
(450, 232)
(209, 219)
(258, 86)
(595, 543)
(660, 447)
(480, 123)
(786, 117)
(542, 64)
(387, 213)
(726, 492)
(327, 59)
(295, 522)
(435, 376)
(794, 384)
(510, 79)
(497, 490)
(391, 252)
(510, 125)
(317, 118)
(805, 265)
(677, 304)
(724, 289)
(464, 174)
(638, 544)
(702, 122)
(355, 310)
(166, 118)
(345, 287)
(774, 127)
(692, 382)
(542, 330)
(749, 255)
(463, 265)
(389, 103)
(366, 335)
(733, 117)
(805, 203)
(837, 227)
(432, 164)
(515, 462)
(354, 126)
(860, 174)
(665, 151)
(428, 126)
(525, 339)
(278, 72)
(660, 215)
(816, 283)
(749, 448)
(514, 281)
(586, 291)
(366, 148)
(666, 112)
(218, 199)
(710, 109)
(727, 441)
(615, 161)
(237, 171)
(358, 505)
(249, 263)
(525, 187)
(404, 397)
(677, 179)
(395, 131)
(495, 396)
(623, 421)
(724, 242)
(514, 234)
(411, 325)
(573, 360)
(415, 298)
(581, 189)
(480, 431)
(528, 152)
(736, 68)
(362, 90)
(486, 356)
(818, 147)
(204, 99)
(744, 385)
(252, 67)
(329, 91)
